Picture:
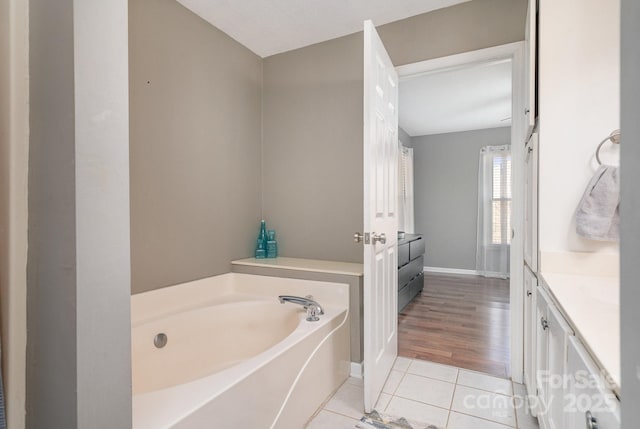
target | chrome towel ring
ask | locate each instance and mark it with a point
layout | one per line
(615, 139)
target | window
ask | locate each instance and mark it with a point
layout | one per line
(501, 200)
(405, 189)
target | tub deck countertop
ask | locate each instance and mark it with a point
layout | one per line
(299, 264)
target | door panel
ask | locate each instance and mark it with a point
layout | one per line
(542, 363)
(554, 335)
(588, 392)
(380, 295)
(559, 332)
(530, 286)
(530, 59)
(531, 203)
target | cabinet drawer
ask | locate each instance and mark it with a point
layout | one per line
(588, 392)
(409, 271)
(416, 248)
(403, 254)
(416, 284)
(409, 291)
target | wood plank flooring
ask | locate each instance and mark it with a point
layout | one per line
(459, 320)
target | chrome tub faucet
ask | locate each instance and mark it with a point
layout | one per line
(313, 308)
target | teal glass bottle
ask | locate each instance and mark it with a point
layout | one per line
(272, 244)
(261, 244)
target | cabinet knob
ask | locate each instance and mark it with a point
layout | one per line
(526, 111)
(528, 293)
(545, 325)
(592, 422)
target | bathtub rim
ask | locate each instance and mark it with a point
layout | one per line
(150, 305)
(187, 398)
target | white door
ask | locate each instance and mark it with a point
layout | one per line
(380, 215)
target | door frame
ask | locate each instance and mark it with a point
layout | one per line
(515, 53)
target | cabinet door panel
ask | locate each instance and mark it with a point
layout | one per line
(558, 335)
(588, 392)
(530, 285)
(530, 67)
(531, 203)
(541, 353)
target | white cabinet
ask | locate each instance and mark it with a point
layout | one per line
(530, 46)
(551, 361)
(531, 203)
(530, 286)
(588, 396)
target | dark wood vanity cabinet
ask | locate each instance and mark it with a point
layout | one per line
(410, 265)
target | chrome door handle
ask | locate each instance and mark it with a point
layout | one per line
(357, 237)
(592, 422)
(544, 323)
(379, 238)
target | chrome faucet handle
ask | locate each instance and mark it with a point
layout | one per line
(312, 313)
(318, 308)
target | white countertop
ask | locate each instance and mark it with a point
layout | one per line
(592, 303)
(298, 264)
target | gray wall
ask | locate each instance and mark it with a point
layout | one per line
(195, 146)
(404, 137)
(14, 159)
(630, 213)
(312, 129)
(51, 296)
(312, 137)
(5, 120)
(446, 193)
(465, 27)
(78, 262)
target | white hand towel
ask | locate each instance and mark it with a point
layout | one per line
(598, 214)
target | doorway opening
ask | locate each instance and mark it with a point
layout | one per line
(460, 134)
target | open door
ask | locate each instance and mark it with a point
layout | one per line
(380, 215)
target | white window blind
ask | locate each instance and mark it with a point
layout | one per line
(501, 199)
(405, 189)
(494, 211)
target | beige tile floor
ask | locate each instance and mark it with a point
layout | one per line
(429, 393)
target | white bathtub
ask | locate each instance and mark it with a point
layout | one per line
(235, 357)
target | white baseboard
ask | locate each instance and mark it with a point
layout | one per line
(460, 271)
(450, 271)
(356, 370)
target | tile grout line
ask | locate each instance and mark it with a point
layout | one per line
(337, 414)
(486, 420)
(455, 386)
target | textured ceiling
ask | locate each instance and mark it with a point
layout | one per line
(271, 27)
(464, 99)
